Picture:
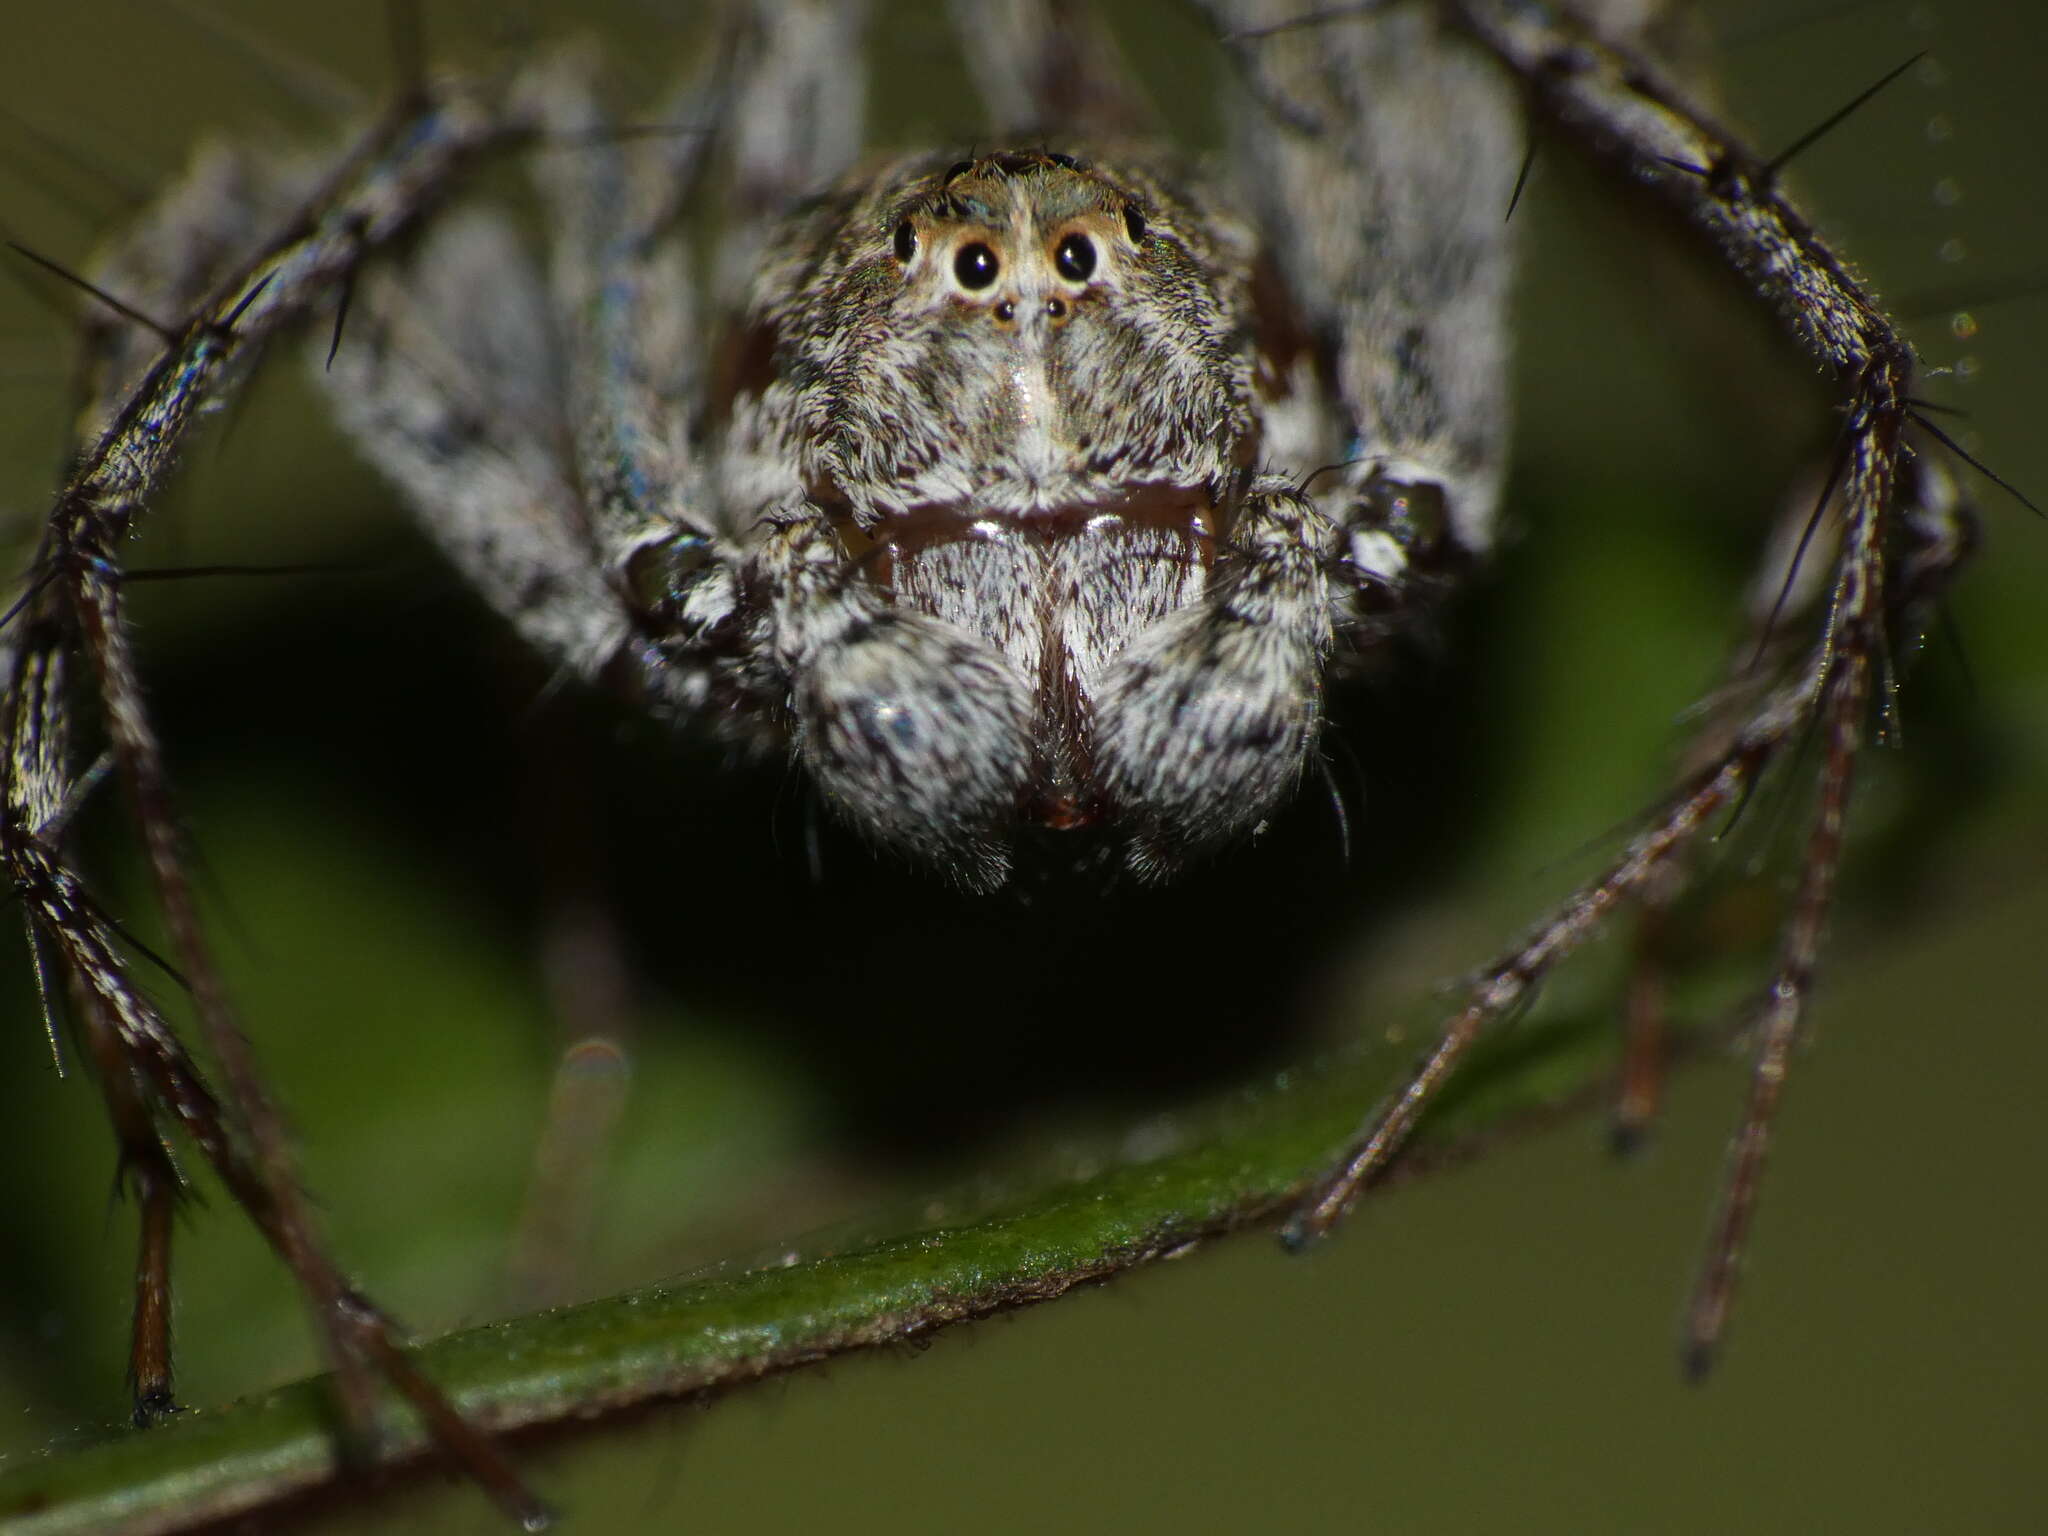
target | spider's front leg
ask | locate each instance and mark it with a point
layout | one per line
(547, 426)
(254, 266)
(76, 956)
(1384, 189)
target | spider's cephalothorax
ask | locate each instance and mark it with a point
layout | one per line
(1022, 569)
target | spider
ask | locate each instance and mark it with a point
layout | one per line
(1003, 612)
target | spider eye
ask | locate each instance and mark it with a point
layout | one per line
(1134, 223)
(976, 266)
(1075, 258)
(906, 242)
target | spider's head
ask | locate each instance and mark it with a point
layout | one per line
(1019, 324)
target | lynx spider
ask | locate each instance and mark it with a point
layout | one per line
(727, 539)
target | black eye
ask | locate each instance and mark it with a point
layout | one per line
(1134, 223)
(906, 242)
(976, 266)
(1075, 258)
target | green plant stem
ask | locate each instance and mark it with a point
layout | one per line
(578, 1364)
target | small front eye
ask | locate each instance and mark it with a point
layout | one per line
(906, 242)
(1075, 258)
(1134, 223)
(976, 266)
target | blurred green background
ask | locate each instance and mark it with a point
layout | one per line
(392, 807)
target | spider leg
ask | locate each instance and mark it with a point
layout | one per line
(76, 599)
(622, 288)
(637, 376)
(1934, 530)
(1387, 207)
(548, 435)
(1624, 110)
(36, 796)
(797, 118)
(1052, 69)
(1937, 529)
(456, 395)
(1508, 979)
(1789, 583)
